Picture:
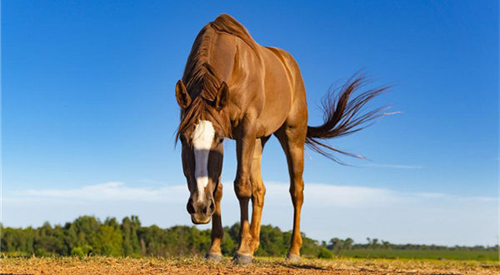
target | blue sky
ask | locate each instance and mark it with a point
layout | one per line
(88, 104)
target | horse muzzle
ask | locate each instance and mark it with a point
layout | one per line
(201, 212)
(198, 219)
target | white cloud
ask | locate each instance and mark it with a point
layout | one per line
(329, 210)
(152, 181)
(107, 191)
(317, 194)
(324, 195)
(394, 166)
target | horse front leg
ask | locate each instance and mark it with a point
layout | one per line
(258, 193)
(243, 189)
(215, 253)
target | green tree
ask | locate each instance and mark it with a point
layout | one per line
(129, 229)
(50, 240)
(348, 244)
(110, 241)
(229, 245)
(386, 245)
(152, 241)
(84, 231)
(335, 245)
(272, 242)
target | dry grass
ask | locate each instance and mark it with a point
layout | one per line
(143, 266)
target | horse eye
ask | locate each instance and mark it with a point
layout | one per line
(220, 140)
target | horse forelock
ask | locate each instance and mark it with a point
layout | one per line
(202, 110)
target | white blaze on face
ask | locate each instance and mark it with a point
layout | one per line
(203, 137)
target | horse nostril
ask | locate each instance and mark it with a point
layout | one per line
(190, 207)
(212, 206)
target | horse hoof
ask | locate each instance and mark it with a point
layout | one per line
(242, 259)
(213, 257)
(292, 258)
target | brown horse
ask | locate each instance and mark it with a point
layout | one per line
(234, 88)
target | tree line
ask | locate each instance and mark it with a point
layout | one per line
(337, 245)
(87, 235)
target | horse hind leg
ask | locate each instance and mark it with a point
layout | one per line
(292, 139)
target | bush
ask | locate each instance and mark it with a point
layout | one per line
(87, 249)
(108, 250)
(40, 252)
(77, 251)
(325, 253)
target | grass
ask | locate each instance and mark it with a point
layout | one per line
(471, 255)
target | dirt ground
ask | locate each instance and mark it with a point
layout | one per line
(153, 266)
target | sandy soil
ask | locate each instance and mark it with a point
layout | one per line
(106, 265)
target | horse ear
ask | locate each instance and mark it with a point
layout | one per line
(183, 98)
(222, 96)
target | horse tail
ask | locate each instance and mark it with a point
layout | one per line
(344, 114)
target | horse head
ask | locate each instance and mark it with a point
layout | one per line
(202, 149)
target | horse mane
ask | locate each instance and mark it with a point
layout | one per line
(201, 79)
(226, 23)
